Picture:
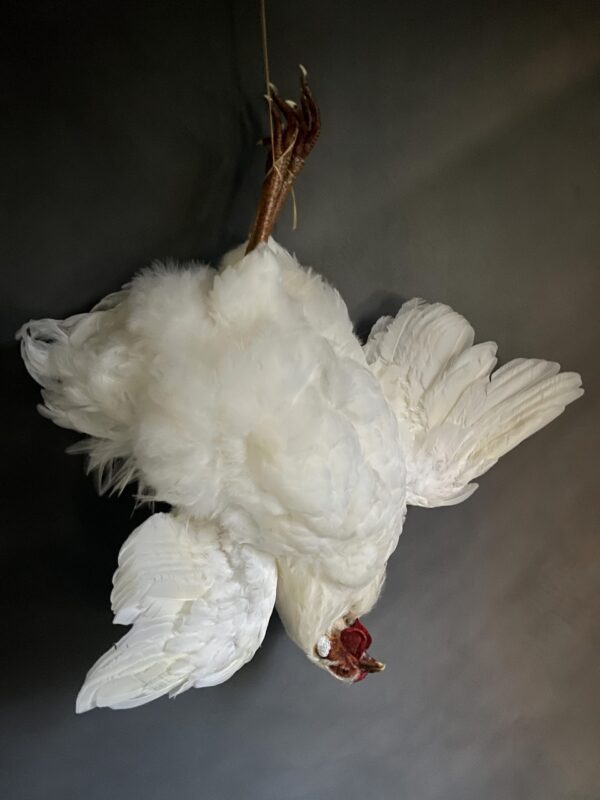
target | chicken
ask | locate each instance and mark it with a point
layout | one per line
(287, 451)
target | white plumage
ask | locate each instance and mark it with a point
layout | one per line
(288, 453)
(456, 416)
(199, 605)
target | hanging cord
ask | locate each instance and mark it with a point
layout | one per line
(294, 131)
(269, 97)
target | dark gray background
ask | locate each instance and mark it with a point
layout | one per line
(459, 161)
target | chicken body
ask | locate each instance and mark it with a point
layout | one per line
(244, 400)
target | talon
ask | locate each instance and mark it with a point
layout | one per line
(295, 130)
(283, 105)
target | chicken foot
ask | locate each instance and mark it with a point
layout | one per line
(295, 130)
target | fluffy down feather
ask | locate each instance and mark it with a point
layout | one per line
(241, 394)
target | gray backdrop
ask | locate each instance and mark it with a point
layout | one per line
(459, 161)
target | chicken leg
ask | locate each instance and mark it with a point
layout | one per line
(295, 130)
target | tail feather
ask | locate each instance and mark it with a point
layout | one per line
(88, 372)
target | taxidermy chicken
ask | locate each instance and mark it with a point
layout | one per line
(287, 451)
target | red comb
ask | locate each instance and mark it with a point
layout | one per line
(356, 638)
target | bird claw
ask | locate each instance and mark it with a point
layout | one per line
(303, 122)
(294, 132)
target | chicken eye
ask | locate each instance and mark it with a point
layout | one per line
(323, 646)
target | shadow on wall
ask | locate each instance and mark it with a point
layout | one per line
(378, 304)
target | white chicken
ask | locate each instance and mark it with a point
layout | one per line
(287, 451)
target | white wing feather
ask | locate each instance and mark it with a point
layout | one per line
(199, 607)
(456, 416)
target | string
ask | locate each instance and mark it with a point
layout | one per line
(265, 54)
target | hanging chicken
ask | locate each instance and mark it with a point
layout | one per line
(287, 451)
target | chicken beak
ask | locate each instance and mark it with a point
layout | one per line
(368, 664)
